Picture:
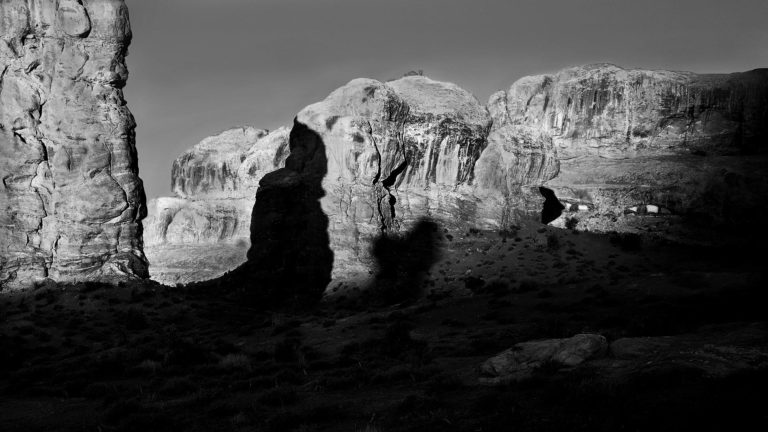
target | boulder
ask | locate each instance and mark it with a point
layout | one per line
(522, 360)
(71, 201)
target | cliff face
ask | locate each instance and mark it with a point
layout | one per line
(604, 110)
(209, 218)
(71, 200)
(617, 141)
(396, 151)
(668, 153)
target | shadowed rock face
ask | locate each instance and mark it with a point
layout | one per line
(71, 200)
(290, 255)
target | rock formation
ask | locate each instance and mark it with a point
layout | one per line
(71, 201)
(603, 148)
(203, 230)
(522, 360)
(396, 152)
(608, 140)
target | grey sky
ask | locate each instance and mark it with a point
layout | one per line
(201, 66)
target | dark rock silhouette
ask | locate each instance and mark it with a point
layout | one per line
(552, 208)
(289, 231)
(403, 261)
(290, 260)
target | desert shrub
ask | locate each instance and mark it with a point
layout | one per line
(134, 319)
(149, 366)
(474, 284)
(90, 286)
(528, 285)
(287, 350)
(571, 222)
(178, 386)
(187, 352)
(553, 241)
(279, 396)
(235, 361)
(497, 287)
(582, 195)
(627, 241)
(443, 383)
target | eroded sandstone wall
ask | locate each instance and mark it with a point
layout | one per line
(71, 201)
(396, 152)
(659, 152)
(204, 229)
(609, 140)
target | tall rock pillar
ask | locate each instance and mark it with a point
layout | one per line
(71, 201)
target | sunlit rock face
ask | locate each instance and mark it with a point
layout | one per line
(396, 152)
(71, 201)
(204, 229)
(614, 150)
(607, 139)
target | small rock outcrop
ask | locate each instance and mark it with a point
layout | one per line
(204, 229)
(522, 360)
(71, 201)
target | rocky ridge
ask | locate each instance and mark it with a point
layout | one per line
(71, 201)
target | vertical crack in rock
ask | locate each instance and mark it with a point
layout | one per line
(387, 201)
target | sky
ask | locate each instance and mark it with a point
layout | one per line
(198, 67)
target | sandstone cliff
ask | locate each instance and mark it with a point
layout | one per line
(71, 200)
(616, 145)
(667, 153)
(396, 152)
(203, 230)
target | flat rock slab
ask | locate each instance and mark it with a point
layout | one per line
(520, 361)
(713, 352)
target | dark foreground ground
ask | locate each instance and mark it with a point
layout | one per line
(146, 357)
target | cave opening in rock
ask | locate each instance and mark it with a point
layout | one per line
(552, 208)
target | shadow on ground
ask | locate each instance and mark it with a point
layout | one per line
(403, 261)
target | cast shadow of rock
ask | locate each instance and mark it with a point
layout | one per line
(552, 208)
(403, 262)
(290, 260)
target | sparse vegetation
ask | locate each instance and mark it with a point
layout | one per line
(629, 242)
(145, 357)
(571, 223)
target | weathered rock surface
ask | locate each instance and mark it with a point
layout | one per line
(610, 139)
(215, 183)
(714, 352)
(603, 148)
(396, 152)
(71, 200)
(520, 361)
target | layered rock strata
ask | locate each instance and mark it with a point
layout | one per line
(396, 152)
(71, 201)
(601, 147)
(607, 140)
(204, 229)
